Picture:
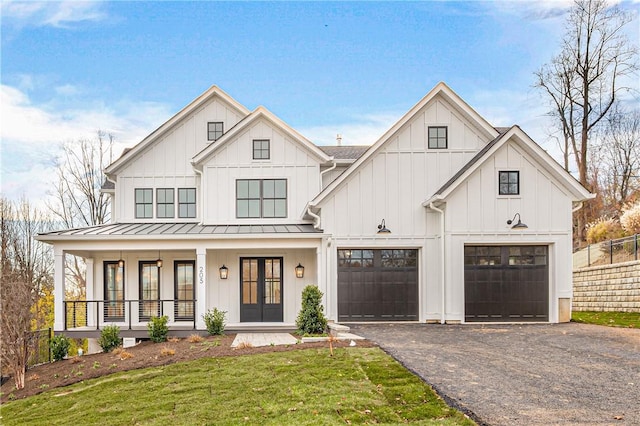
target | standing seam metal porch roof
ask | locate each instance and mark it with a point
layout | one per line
(181, 228)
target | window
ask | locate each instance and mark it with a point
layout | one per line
(149, 304)
(165, 203)
(355, 258)
(261, 149)
(113, 291)
(509, 183)
(186, 202)
(184, 289)
(261, 198)
(438, 137)
(215, 129)
(144, 203)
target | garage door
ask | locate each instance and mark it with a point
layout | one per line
(377, 285)
(506, 283)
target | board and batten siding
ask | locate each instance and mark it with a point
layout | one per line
(289, 160)
(476, 214)
(396, 179)
(166, 163)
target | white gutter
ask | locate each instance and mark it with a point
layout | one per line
(442, 263)
(578, 207)
(195, 169)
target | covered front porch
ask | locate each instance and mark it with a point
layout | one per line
(255, 277)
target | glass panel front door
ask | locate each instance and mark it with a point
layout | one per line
(261, 289)
(149, 290)
(184, 290)
(113, 291)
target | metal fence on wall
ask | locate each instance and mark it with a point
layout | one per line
(612, 251)
(42, 350)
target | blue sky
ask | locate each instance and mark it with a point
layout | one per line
(70, 68)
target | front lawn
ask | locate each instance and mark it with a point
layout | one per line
(611, 319)
(356, 385)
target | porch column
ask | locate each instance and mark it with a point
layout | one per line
(58, 289)
(89, 292)
(201, 286)
(322, 284)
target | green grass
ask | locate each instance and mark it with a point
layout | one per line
(610, 319)
(356, 385)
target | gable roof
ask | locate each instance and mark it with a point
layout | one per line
(517, 135)
(441, 89)
(213, 91)
(258, 113)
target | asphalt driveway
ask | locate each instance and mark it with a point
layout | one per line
(523, 374)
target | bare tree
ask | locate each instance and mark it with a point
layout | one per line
(77, 198)
(584, 80)
(25, 270)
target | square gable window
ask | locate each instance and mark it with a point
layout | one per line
(215, 129)
(144, 203)
(438, 137)
(509, 183)
(261, 149)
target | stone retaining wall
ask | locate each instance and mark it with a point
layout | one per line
(607, 288)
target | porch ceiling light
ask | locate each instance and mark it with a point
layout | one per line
(518, 225)
(382, 229)
(224, 272)
(159, 261)
(299, 271)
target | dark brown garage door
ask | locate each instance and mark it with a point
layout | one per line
(377, 285)
(506, 283)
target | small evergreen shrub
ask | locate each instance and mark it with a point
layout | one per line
(158, 329)
(311, 319)
(60, 345)
(110, 338)
(214, 320)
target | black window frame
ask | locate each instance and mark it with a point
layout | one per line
(143, 203)
(261, 199)
(184, 303)
(165, 203)
(434, 142)
(187, 204)
(116, 304)
(143, 303)
(216, 133)
(509, 182)
(261, 150)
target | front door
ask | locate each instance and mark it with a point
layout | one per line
(261, 289)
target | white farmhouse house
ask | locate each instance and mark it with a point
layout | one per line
(445, 218)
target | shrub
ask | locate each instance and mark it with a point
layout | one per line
(167, 351)
(110, 338)
(158, 329)
(311, 319)
(630, 219)
(195, 338)
(603, 229)
(60, 345)
(214, 320)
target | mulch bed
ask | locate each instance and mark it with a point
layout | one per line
(145, 354)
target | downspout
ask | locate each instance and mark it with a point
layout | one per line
(316, 218)
(578, 207)
(335, 164)
(112, 198)
(442, 263)
(201, 193)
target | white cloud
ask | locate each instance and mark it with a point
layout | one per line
(59, 14)
(361, 130)
(31, 134)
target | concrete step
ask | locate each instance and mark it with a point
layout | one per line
(338, 328)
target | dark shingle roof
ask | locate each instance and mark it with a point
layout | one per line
(347, 152)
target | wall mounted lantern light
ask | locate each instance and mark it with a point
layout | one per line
(518, 225)
(299, 271)
(159, 261)
(382, 229)
(224, 272)
(121, 261)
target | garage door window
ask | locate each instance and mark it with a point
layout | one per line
(527, 256)
(355, 258)
(482, 256)
(398, 258)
